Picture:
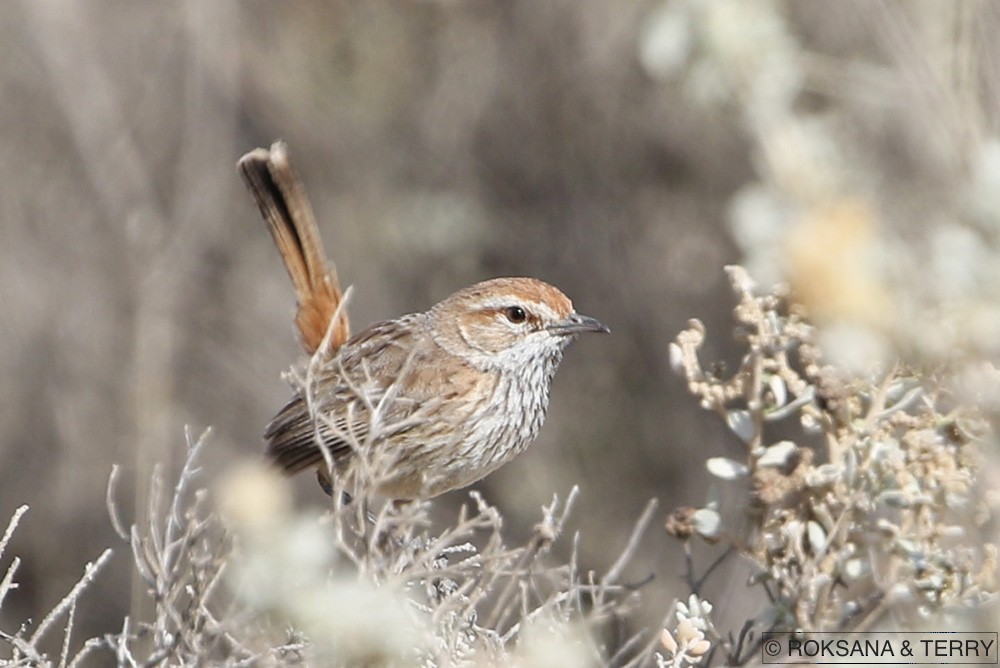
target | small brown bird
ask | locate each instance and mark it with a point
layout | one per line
(427, 402)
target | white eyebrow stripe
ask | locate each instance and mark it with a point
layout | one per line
(508, 300)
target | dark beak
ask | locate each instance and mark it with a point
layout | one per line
(576, 324)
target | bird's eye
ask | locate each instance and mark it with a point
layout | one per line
(516, 314)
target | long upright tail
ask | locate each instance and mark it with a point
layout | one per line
(286, 210)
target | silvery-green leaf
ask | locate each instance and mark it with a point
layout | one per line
(897, 388)
(955, 501)
(816, 536)
(886, 527)
(899, 593)
(676, 358)
(877, 451)
(726, 469)
(793, 531)
(909, 547)
(854, 569)
(700, 606)
(784, 411)
(968, 429)
(707, 523)
(951, 531)
(778, 454)
(778, 390)
(741, 422)
(822, 475)
(894, 498)
(821, 513)
(850, 466)
(903, 403)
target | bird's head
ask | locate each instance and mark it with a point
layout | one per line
(507, 322)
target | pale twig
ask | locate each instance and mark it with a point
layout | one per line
(318, 359)
(139, 557)
(187, 474)
(20, 645)
(64, 653)
(112, 506)
(153, 546)
(121, 645)
(543, 534)
(638, 529)
(643, 655)
(89, 573)
(625, 648)
(11, 526)
(8, 584)
(88, 647)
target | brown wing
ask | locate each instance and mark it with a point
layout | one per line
(364, 368)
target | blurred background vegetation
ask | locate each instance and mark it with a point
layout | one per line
(614, 149)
